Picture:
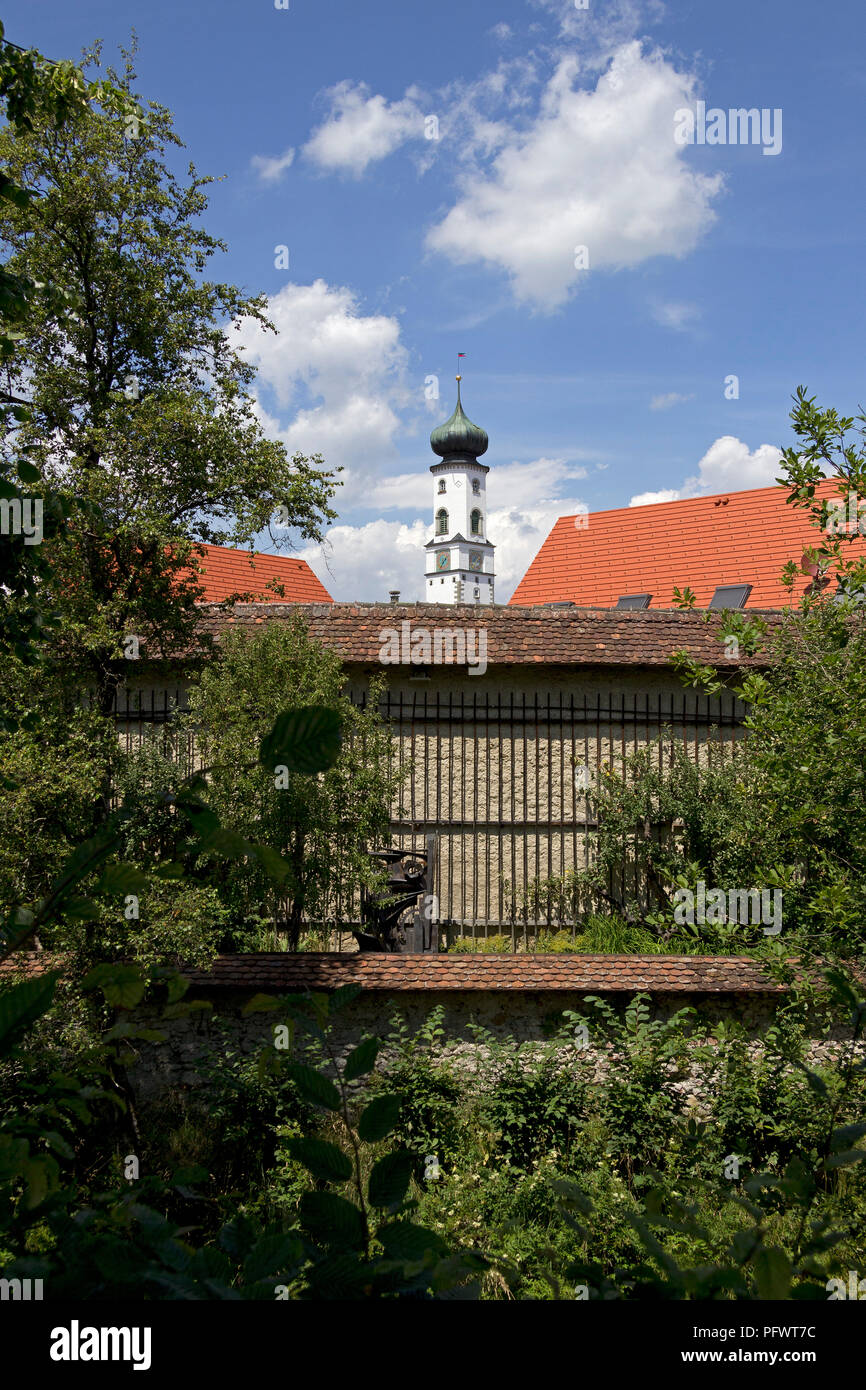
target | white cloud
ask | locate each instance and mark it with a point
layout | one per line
(501, 31)
(727, 466)
(364, 562)
(665, 494)
(360, 129)
(541, 481)
(272, 170)
(342, 372)
(519, 533)
(509, 485)
(600, 28)
(678, 316)
(595, 167)
(669, 399)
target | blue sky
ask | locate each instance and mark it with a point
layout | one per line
(554, 129)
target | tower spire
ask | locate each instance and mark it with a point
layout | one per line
(460, 563)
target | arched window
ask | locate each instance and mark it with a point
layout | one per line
(476, 487)
(442, 522)
(441, 484)
(475, 523)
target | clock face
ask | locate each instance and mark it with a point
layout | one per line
(443, 560)
(475, 560)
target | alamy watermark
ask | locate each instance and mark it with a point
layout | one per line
(446, 646)
(22, 516)
(747, 906)
(839, 1290)
(738, 126)
(20, 1290)
(847, 516)
(77, 1343)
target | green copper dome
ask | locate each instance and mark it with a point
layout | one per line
(458, 435)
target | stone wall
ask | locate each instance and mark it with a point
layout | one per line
(518, 1017)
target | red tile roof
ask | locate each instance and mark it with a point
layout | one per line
(515, 636)
(702, 542)
(224, 572)
(276, 972)
(374, 971)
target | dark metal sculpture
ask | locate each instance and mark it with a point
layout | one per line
(393, 918)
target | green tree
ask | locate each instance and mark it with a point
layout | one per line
(33, 90)
(829, 446)
(138, 403)
(807, 705)
(321, 826)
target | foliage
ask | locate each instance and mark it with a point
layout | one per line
(829, 446)
(139, 403)
(54, 758)
(669, 822)
(802, 815)
(33, 90)
(597, 934)
(322, 827)
(430, 1092)
(809, 790)
(497, 944)
(630, 1193)
(117, 1242)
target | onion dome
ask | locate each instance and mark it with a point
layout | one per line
(458, 436)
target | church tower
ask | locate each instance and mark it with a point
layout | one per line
(459, 557)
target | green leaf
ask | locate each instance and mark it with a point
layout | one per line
(273, 1254)
(304, 740)
(81, 909)
(121, 878)
(323, 1160)
(170, 871)
(844, 1134)
(37, 1173)
(313, 1086)
(123, 986)
(261, 1004)
(815, 1082)
(185, 1007)
(28, 472)
(21, 1004)
(404, 1241)
(846, 1158)
(332, 1220)
(362, 1060)
(389, 1180)
(226, 842)
(346, 994)
(772, 1273)
(379, 1118)
(274, 865)
(573, 1194)
(340, 1276)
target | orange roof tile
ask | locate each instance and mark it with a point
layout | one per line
(276, 972)
(224, 572)
(699, 542)
(514, 636)
(377, 971)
